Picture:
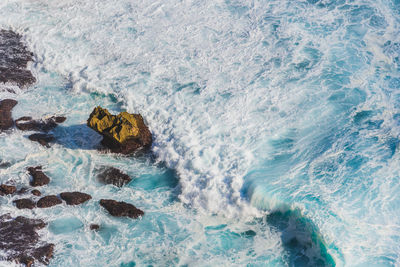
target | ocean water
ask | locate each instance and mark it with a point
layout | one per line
(276, 129)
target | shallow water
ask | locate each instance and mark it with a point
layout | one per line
(276, 128)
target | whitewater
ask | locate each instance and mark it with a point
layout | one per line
(276, 129)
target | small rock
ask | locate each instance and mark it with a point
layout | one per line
(22, 190)
(111, 175)
(6, 105)
(119, 209)
(24, 203)
(94, 227)
(75, 198)
(36, 192)
(44, 125)
(7, 189)
(43, 139)
(48, 201)
(38, 177)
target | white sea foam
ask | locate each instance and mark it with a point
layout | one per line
(260, 94)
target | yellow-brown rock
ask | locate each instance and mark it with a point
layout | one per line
(123, 133)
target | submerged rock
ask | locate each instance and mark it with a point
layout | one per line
(38, 177)
(75, 198)
(44, 125)
(121, 209)
(43, 139)
(14, 58)
(7, 189)
(94, 227)
(123, 133)
(24, 203)
(20, 242)
(6, 121)
(48, 201)
(111, 175)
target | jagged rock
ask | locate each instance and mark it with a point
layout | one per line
(24, 203)
(44, 125)
(20, 242)
(94, 227)
(48, 201)
(121, 209)
(36, 192)
(14, 57)
(38, 177)
(43, 139)
(6, 121)
(75, 198)
(111, 175)
(7, 189)
(123, 133)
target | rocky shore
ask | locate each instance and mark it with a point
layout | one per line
(124, 133)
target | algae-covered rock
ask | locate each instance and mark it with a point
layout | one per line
(123, 133)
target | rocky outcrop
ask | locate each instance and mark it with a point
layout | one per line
(38, 177)
(111, 175)
(6, 121)
(43, 125)
(14, 58)
(24, 203)
(20, 242)
(75, 198)
(7, 189)
(124, 133)
(43, 139)
(121, 209)
(48, 201)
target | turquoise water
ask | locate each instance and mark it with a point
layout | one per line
(275, 124)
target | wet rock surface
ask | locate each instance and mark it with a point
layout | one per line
(14, 58)
(38, 177)
(44, 125)
(124, 133)
(43, 139)
(20, 242)
(111, 175)
(48, 201)
(94, 227)
(121, 209)
(24, 203)
(36, 192)
(6, 121)
(7, 189)
(75, 198)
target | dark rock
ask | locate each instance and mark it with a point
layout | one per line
(20, 242)
(14, 58)
(43, 139)
(94, 227)
(6, 121)
(7, 189)
(44, 125)
(22, 191)
(36, 192)
(38, 177)
(75, 198)
(4, 165)
(24, 203)
(124, 133)
(111, 175)
(48, 201)
(119, 209)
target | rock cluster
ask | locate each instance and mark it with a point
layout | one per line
(21, 241)
(124, 133)
(14, 58)
(43, 125)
